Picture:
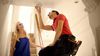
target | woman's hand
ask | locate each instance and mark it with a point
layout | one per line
(35, 45)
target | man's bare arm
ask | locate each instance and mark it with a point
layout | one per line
(42, 26)
(58, 30)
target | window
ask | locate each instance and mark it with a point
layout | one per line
(26, 16)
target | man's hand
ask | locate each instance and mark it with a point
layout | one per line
(38, 8)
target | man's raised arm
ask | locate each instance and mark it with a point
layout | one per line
(42, 26)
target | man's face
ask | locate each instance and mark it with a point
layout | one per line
(51, 14)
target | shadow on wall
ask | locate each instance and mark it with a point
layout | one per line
(3, 13)
(93, 10)
(4, 6)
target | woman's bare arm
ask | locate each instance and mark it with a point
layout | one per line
(13, 43)
(32, 41)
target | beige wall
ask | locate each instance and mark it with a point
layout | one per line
(94, 20)
(93, 10)
(5, 28)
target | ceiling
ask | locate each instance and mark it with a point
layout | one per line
(46, 3)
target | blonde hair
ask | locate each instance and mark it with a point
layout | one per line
(17, 30)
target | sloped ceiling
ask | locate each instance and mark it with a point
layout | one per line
(47, 3)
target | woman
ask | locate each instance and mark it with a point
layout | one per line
(20, 45)
(61, 45)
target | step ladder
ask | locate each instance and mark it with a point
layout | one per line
(33, 50)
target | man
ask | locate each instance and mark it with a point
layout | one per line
(61, 46)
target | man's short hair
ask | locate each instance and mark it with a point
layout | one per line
(55, 12)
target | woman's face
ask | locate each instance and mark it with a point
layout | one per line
(19, 26)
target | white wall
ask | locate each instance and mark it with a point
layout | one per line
(79, 23)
